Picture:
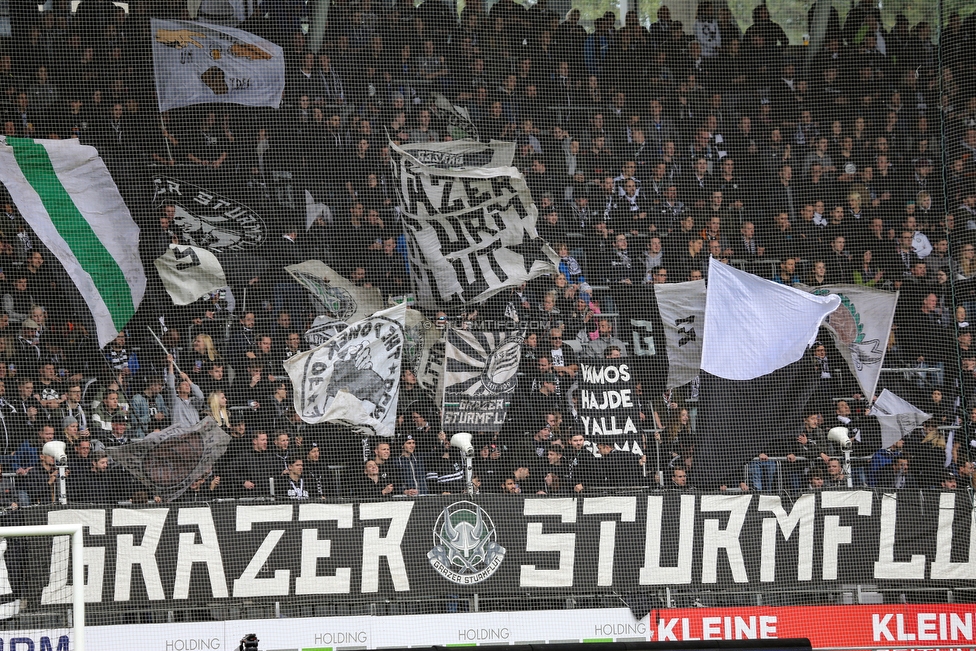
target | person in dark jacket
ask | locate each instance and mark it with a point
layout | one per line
(369, 485)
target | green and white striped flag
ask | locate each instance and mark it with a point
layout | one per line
(66, 194)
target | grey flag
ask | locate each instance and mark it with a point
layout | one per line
(168, 461)
(459, 123)
(682, 310)
(860, 329)
(897, 416)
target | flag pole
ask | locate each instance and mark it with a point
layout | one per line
(153, 333)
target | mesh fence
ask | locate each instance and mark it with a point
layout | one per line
(362, 308)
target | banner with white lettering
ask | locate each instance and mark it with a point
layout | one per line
(608, 404)
(470, 231)
(480, 376)
(353, 378)
(499, 546)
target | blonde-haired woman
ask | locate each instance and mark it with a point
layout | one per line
(217, 403)
(204, 347)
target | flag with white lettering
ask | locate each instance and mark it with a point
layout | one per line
(198, 63)
(754, 326)
(682, 310)
(334, 295)
(480, 376)
(353, 378)
(470, 231)
(897, 416)
(207, 219)
(188, 273)
(168, 461)
(860, 329)
(607, 401)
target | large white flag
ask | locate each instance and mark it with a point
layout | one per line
(860, 329)
(198, 63)
(189, 273)
(470, 228)
(897, 416)
(754, 326)
(68, 197)
(354, 377)
(682, 310)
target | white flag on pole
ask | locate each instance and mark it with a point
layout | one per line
(354, 377)
(754, 326)
(198, 63)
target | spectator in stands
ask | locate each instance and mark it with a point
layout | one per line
(292, 485)
(256, 467)
(412, 475)
(370, 486)
(185, 399)
(149, 411)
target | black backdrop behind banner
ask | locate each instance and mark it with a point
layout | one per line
(503, 547)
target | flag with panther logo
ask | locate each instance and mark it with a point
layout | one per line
(860, 329)
(480, 376)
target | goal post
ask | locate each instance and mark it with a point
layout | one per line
(75, 530)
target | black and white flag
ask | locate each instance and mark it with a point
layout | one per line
(682, 310)
(608, 404)
(209, 220)
(480, 376)
(189, 273)
(471, 231)
(459, 123)
(354, 377)
(168, 461)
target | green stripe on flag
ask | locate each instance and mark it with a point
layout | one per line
(74, 229)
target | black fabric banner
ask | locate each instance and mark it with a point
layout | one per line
(201, 553)
(608, 404)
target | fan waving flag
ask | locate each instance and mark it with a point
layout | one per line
(754, 326)
(198, 63)
(66, 194)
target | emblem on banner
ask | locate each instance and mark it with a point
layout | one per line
(500, 374)
(466, 549)
(208, 220)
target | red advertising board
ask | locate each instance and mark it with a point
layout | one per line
(855, 627)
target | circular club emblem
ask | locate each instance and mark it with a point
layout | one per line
(501, 367)
(466, 549)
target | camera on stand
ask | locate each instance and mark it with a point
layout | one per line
(249, 643)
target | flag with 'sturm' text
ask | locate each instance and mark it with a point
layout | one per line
(66, 194)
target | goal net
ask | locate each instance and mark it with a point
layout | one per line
(38, 613)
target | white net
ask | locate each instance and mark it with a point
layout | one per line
(689, 283)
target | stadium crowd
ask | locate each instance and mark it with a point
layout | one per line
(648, 151)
